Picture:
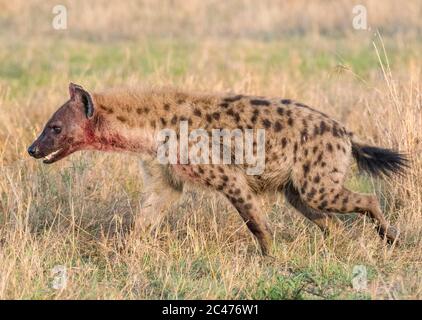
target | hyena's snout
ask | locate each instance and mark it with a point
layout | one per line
(51, 152)
(40, 147)
(34, 150)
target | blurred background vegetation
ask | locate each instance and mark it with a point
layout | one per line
(78, 213)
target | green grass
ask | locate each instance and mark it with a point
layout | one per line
(91, 60)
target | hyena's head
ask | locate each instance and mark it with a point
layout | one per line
(68, 130)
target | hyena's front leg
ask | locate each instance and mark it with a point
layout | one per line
(161, 191)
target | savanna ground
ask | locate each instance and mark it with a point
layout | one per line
(77, 213)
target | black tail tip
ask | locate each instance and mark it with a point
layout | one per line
(379, 161)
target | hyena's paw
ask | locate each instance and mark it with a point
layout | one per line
(392, 235)
(146, 222)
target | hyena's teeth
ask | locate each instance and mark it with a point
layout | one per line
(51, 155)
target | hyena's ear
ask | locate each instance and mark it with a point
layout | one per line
(77, 93)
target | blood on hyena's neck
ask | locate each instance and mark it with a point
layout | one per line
(123, 121)
(130, 119)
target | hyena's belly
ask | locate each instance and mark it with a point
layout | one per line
(270, 180)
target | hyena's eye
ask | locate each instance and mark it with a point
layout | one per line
(56, 129)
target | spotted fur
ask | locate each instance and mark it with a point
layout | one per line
(307, 153)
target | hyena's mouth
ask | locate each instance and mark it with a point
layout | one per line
(55, 155)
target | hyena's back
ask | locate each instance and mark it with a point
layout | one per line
(307, 157)
(301, 142)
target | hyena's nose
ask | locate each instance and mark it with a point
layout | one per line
(32, 150)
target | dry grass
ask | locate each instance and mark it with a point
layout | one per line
(77, 213)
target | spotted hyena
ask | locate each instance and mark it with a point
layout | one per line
(307, 154)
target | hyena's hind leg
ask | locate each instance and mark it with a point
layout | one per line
(347, 201)
(324, 220)
(161, 191)
(343, 200)
(320, 180)
(248, 204)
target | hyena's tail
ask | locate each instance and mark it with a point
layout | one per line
(378, 161)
